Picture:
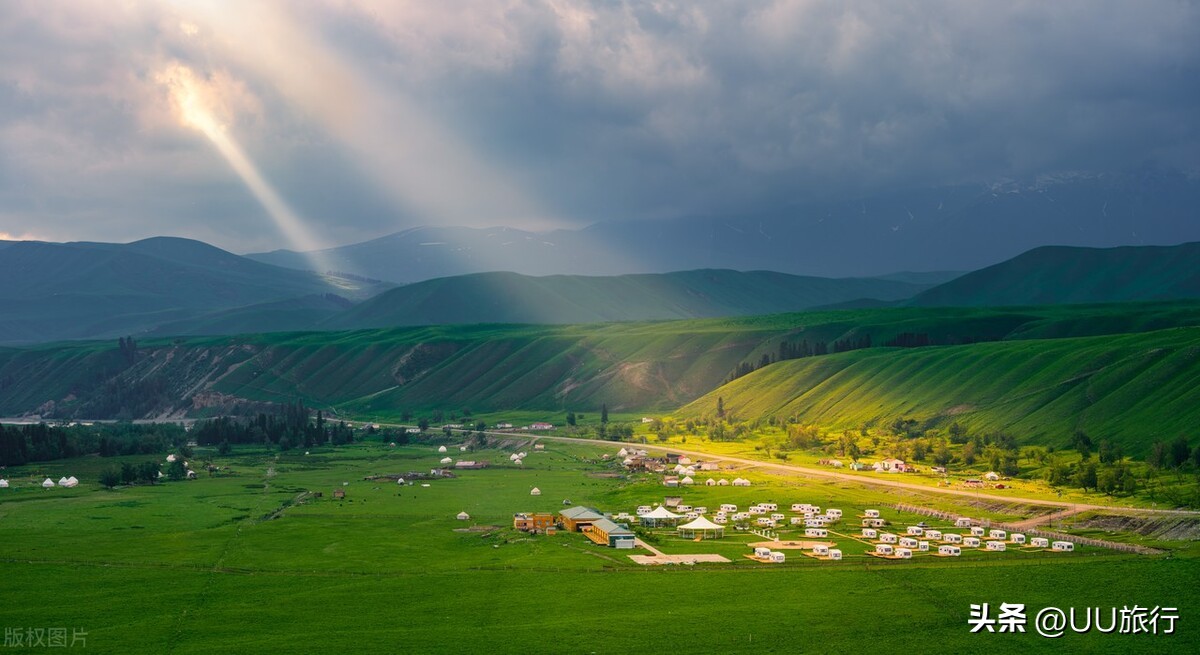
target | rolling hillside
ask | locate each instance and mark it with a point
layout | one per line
(89, 290)
(1132, 388)
(1057, 275)
(636, 367)
(513, 298)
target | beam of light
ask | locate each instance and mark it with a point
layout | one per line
(192, 103)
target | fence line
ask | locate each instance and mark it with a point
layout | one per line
(1058, 536)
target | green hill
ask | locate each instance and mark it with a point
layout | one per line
(1132, 388)
(561, 299)
(89, 290)
(631, 367)
(1058, 274)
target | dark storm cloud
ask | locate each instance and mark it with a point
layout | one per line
(585, 111)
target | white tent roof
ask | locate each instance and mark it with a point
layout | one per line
(517, 462)
(48, 483)
(62, 482)
(3, 483)
(535, 492)
(441, 449)
(686, 480)
(73, 479)
(661, 512)
(446, 460)
(700, 523)
(462, 516)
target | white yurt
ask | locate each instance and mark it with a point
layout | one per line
(514, 457)
(722, 482)
(171, 458)
(463, 516)
(535, 492)
(63, 482)
(72, 481)
(462, 449)
(47, 483)
(441, 449)
(446, 460)
(687, 480)
(3, 483)
(517, 462)
(400, 481)
(710, 482)
(191, 474)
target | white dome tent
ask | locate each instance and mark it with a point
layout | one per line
(446, 460)
(63, 482)
(701, 528)
(441, 449)
(3, 483)
(660, 514)
(535, 492)
(170, 459)
(47, 483)
(517, 462)
(72, 482)
(463, 516)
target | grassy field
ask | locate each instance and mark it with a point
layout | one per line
(249, 561)
(1133, 389)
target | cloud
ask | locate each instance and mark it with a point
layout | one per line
(368, 116)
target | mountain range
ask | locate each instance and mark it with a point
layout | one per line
(168, 286)
(958, 228)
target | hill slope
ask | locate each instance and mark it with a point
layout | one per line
(1132, 388)
(1058, 274)
(86, 290)
(513, 298)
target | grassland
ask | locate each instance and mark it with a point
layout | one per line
(244, 562)
(1133, 389)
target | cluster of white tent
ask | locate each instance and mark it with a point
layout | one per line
(516, 458)
(50, 484)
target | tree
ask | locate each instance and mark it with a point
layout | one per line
(604, 413)
(129, 473)
(176, 470)
(968, 454)
(1083, 443)
(148, 472)
(1180, 451)
(1109, 452)
(1085, 478)
(110, 477)
(571, 419)
(720, 407)
(1158, 455)
(224, 448)
(423, 424)
(942, 456)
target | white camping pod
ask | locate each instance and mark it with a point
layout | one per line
(462, 516)
(1062, 546)
(1039, 542)
(834, 553)
(441, 449)
(446, 460)
(904, 553)
(3, 483)
(535, 492)
(47, 483)
(63, 482)
(995, 545)
(72, 481)
(949, 551)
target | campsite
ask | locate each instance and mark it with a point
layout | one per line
(268, 526)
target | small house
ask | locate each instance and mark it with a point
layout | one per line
(915, 530)
(575, 519)
(870, 533)
(760, 551)
(686, 480)
(1062, 546)
(671, 481)
(933, 535)
(977, 531)
(339, 494)
(995, 545)
(534, 522)
(607, 533)
(816, 532)
(643, 509)
(871, 513)
(904, 553)
(835, 554)
(997, 534)
(1039, 542)
(833, 514)
(820, 549)
(672, 501)
(923, 546)
(908, 542)
(710, 482)
(728, 507)
(539, 446)
(874, 523)
(741, 482)
(1017, 538)
(722, 482)
(884, 549)
(970, 542)
(952, 538)
(777, 557)
(962, 522)
(949, 551)
(777, 516)
(888, 538)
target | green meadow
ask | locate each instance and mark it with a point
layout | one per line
(249, 560)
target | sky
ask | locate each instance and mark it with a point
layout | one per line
(259, 125)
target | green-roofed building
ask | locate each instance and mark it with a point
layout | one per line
(575, 519)
(607, 533)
